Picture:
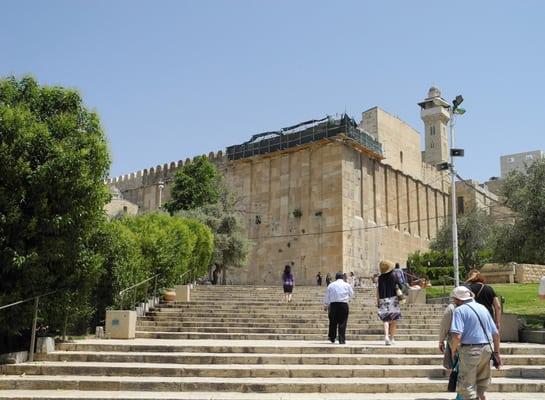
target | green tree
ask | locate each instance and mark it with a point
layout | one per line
(166, 243)
(204, 247)
(54, 160)
(231, 245)
(475, 234)
(195, 184)
(524, 193)
(122, 266)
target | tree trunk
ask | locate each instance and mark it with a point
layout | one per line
(64, 327)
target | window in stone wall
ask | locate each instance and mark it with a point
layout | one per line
(460, 204)
(431, 145)
(432, 130)
(401, 157)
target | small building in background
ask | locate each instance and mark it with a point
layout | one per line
(119, 207)
(519, 161)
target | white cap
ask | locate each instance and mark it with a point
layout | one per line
(461, 293)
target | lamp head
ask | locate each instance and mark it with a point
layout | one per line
(457, 101)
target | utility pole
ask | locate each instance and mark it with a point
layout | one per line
(454, 110)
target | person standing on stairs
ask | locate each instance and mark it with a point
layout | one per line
(288, 282)
(336, 299)
(473, 330)
(387, 301)
(327, 279)
(485, 295)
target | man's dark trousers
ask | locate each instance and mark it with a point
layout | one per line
(338, 316)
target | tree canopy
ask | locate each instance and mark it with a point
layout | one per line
(54, 160)
(524, 193)
(199, 193)
(475, 234)
(195, 185)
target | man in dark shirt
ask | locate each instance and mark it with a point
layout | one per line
(485, 295)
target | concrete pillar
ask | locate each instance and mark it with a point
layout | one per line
(183, 293)
(120, 324)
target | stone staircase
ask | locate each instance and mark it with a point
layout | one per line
(237, 342)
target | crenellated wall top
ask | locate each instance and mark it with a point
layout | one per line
(154, 175)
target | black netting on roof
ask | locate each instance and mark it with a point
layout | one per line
(303, 133)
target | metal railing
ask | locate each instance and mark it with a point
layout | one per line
(34, 319)
(189, 273)
(135, 286)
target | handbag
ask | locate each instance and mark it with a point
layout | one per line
(453, 377)
(400, 296)
(496, 362)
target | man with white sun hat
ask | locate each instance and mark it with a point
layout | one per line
(473, 330)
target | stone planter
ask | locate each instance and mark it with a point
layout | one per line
(169, 295)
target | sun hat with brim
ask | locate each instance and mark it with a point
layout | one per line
(461, 293)
(386, 266)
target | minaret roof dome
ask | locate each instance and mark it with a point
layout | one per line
(434, 92)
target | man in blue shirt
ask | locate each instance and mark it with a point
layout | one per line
(336, 299)
(472, 331)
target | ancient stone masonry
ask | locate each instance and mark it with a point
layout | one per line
(322, 202)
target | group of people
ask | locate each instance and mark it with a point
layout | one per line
(469, 336)
(469, 333)
(350, 279)
(340, 292)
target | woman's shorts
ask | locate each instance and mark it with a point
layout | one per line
(288, 288)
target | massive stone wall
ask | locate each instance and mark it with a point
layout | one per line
(323, 207)
(386, 213)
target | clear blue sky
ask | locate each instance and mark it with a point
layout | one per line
(174, 79)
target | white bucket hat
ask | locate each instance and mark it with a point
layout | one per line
(461, 293)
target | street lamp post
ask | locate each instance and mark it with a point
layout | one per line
(161, 187)
(454, 110)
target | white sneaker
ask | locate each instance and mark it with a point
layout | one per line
(392, 340)
(387, 342)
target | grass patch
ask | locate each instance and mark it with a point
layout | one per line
(520, 299)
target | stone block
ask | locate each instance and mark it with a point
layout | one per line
(509, 330)
(416, 296)
(120, 324)
(183, 293)
(14, 358)
(45, 345)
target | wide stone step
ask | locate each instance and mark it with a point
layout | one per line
(225, 358)
(127, 395)
(253, 371)
(266, 336)
(265, 385)
(316, 325)
(288, 319)
(278, 330)
(284, 306)
(286, 347)
(286, 314)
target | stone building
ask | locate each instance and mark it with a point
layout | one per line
(328, 195)
(118, 206)
(519, 161)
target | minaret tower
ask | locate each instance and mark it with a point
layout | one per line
(435, 114)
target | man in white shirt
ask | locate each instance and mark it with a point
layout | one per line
(336, 299)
